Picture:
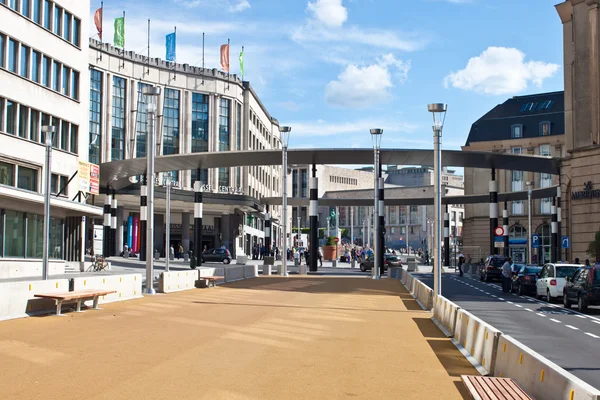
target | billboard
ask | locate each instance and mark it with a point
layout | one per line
(89, 177)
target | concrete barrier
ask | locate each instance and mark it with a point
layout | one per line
(175, 281)
(403, 276)
(424, 294)
(241, 260)
(128, 286)
(17, 298)
(478, 339)
(445, 313)
(212, 271)
(233, 273)
(538, 376)
(29, 268)
(250, 271)
(394, 272)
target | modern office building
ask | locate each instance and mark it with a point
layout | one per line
(199, 110)
(43, 74)
(532, 125)
(420, 176)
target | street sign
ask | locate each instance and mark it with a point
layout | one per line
(498, 244)
(535, 241)
(566, 242)
(336, 239)
(499, 231)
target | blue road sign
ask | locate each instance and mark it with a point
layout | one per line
(535, 241)
(566, 242)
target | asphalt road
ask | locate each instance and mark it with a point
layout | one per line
(568, 338)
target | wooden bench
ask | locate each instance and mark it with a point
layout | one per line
(212, 279)
(491, 388)
(77, 296)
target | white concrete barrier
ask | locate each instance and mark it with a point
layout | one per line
(478, 339)
(403, 276)
(250, 271)
(127, 286)
(17, 298)
(445, 313)
(212, 271)
(175, 281)
(28, 268)
(233, 273)
(241, 260)
(538, 376)
(424, 294)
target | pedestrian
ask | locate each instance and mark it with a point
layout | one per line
(171, 253)
(587, 263)
(506, 275)
(180, 250)
(307, 256)
(320, 255)
(461, 261)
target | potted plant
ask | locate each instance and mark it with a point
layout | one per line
(329, 250)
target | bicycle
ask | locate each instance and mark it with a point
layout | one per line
(100, 264)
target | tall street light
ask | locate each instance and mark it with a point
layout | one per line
(529, 188)
(151, 94)
(48, 132)
(376, 137)
(438, 111)
(284, 135)
(168, 222)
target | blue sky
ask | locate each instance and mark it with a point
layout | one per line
(332, 69)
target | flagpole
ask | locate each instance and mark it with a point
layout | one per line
(242, 71)
(202, 58)
(229, 58)
(148, 58)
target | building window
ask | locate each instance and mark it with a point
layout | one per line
(545, 128)
(224, 139)
(95, 115)
(2, 48)
(35, 235)
(64, 136)
(546, 206)
(23, 119)
(118, 119)
(47, 14)
(46, 71)
(14, 4)
(295, 182)
(545, 150)
(25, 9)
(14, 239)
(58, 13)
(304, 183)
(545, 244)
(238, 129)
(13, 48)
(11, 117)
(141, 121)
(67, 26)
(517, 131)
(57, 183)
(199, 131)
(36, 58)
(171, 122)
(223, 176)
(517, 208)
(66, 79)
(27, 178)
(528, 107)
(56, 71)
(36, 11)
(546, 105)
(7, 174)
(76, 32)
(34, 126)
(74, 142)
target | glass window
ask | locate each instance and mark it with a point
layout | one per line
(56, 71)
(68, 20)
(545, 150)
(546, 206)
(142, 120)
(14, 4)
(58, 14)
(118, 119)
(66, 79)
(95, 115)
(517, 207)
(2, 47)
(74, 139)
(199, 131)
(14, 240)
(47, 14)
(13, 48)
(23, 118)
(223, 176)
(24, 65)
(25, 10)
(35, 65)
(35, 236)
(55, 245)
(7, 174)
(171, 125)
(37, 11)
(64, 135)
(34, 125)
(545, 128)
(11, 117)
(27, 178)
(46, 71)
(76, 32)
(304, 182)
(224, 139)
(58, 184)
(238, 129)
(517, 131)
(75, 85)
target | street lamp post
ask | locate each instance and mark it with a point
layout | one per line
(328, 221)
(438, 111)
(168, 223)
(529, 188)
(48, 132)
(284, 135)
(151, 94)
(376, 137)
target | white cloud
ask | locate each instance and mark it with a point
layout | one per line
(328, 12)
(241, 5)
(365, 86)
(500, 70)
(362, 126)
(233, 6)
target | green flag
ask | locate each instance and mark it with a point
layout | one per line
(120, 32)
(242, 62)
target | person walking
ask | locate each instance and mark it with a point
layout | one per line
(506, 275)
(461, 261)
(320, 255)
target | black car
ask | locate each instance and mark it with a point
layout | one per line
(583, 288)
(491, 268)
(217, 255)
(524, 280)
(367, 264)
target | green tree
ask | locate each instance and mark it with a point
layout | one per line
(594, 248)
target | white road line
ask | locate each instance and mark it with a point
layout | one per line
(540, 314)
(596, 322)
(554, 320)
(494, 296)
(530, 299)
(579, 316)
(518, 305)
(527, 309)
(510, 302)
(592, 335)
(486, 292)
(572, 327)
(523, 297)
(500, 298)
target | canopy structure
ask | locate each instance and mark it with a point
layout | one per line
(115, 174)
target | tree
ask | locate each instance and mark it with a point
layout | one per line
(594, 248)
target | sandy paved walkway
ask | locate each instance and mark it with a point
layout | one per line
(266, 338)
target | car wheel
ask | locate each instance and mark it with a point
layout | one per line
(581, 306)
(548, 297)
(566, 301)
(226, 261)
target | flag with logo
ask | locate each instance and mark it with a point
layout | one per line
(98, 22)
(119, 40)
(225, 57)
(171, 43)
(242, 62)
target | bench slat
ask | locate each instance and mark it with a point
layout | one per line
(78, 294)
(212, 278)
(492, 388)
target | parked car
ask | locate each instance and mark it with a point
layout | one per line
(393, 260)
(367, 264)
(491, 268)
(217, 255)
(583, 288)
(524, 280)
(551, 280)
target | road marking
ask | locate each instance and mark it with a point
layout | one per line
(497, 297)
(554, 320)
(530, 299)
(523, 297)
(592, 335)
(596, 322)
(572, 327)
(529, 310)
(540, 314)
(510, 302)
(577, 315)
(518, 305)
(487, 293)
(501, 299)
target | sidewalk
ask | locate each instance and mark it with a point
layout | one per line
(260, 339)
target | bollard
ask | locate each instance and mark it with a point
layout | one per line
(353, 263)
(193, 262)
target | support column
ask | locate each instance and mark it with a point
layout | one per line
(493, 210)
(268, 232)
(446, 237)
(107, 221)
(381, 221)
(558, 224)
(143, 217)
(198, 222)
(185, 231)
(314, 219)
(113, 226)
(505, 227)
(554, 239)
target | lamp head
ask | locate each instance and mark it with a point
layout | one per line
(284, 133)
(151, 91)
(438, 111)
(376, 135)
(48, 131)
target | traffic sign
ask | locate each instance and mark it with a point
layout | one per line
(535, 241)
(498, 244)
(566, 242)
(499, 231)
(336, 239)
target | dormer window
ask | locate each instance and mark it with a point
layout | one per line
(528, 107)
(545, 128)
(516, 131)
